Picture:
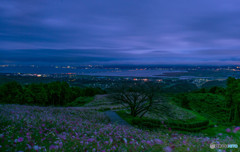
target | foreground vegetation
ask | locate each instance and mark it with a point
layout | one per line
(33, 128)
(188, 121)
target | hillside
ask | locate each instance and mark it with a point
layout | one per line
(33, 128)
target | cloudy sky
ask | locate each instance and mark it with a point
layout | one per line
(120, 32)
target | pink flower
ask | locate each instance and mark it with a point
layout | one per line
(113, 148)
(111, 140)
(158, 141)
(53, 147)
(20, 139)
(168, 149)
(228, 130)
(60, 144)
(29, 147)
(90, 140)
(236, 129)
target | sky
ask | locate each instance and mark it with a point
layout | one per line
(120, 32)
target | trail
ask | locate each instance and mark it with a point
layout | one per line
(115, 118)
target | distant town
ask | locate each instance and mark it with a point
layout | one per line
(106, 76)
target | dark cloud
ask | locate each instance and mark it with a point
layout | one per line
(109, 31)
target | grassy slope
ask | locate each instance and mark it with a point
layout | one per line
(80, 101)
(213, 131)
(31, 128)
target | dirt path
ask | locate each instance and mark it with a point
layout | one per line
(115, 118)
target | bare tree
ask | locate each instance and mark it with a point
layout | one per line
(139, 98)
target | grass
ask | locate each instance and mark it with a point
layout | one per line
(80, 101)
(152, 123)
(127, 117)
(212, 131)
(221, 131)
(197, 116)
(102, 103)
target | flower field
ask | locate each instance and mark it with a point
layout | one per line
(33, 128)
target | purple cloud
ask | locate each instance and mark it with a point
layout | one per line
(150, 32)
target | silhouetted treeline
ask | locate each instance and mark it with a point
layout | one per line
(54, 93)
(217, 103)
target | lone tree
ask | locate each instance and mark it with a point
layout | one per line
(139, 98)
